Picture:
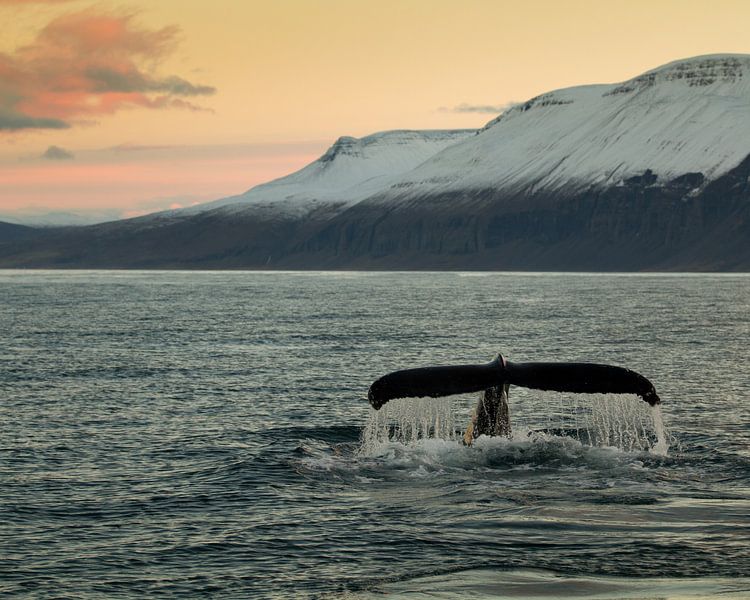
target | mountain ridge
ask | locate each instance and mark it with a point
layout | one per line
(650, 173)
(350, 169)
(602, 134)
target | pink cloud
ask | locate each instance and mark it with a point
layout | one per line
(144, 180)
(87, 64)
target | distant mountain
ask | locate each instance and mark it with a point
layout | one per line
(652, 173)
(59, 218)
(11, 232)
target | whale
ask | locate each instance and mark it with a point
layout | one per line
(491, 415)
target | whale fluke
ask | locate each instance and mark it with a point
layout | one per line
(581, 378)
(436, 382)
(584, 378)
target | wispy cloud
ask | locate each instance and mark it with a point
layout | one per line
(145, 179)
(11, 120)
(494, 109)
(87, 64)
(127, 147)
(57, 153)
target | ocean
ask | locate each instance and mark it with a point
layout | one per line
(207, 434)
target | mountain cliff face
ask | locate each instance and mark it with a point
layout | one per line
(636, 226)
(648, 174)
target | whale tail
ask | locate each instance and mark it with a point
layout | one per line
(491, 417)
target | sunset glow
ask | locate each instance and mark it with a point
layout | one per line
(213, 98)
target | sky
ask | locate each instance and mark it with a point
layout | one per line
(115, 109)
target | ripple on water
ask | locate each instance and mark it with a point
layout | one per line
(199, 434)
(533, 585)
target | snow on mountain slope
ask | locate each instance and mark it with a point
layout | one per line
(351, 169)
(691, 115)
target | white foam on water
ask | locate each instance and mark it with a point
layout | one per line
(620, 422)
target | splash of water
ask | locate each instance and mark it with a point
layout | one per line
(616, 421)
(408, 420)
(622, 422)
(662, 445)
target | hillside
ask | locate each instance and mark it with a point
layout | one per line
(648, 174)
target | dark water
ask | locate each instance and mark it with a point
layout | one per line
(197, 434)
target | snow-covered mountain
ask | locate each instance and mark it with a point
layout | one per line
(352, 169)
(652, 173)
(689, 116)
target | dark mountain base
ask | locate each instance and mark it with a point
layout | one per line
(684, 225)
(12, 232)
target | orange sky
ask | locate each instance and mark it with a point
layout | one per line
(158, 104)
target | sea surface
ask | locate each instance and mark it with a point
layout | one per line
(207, 434)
